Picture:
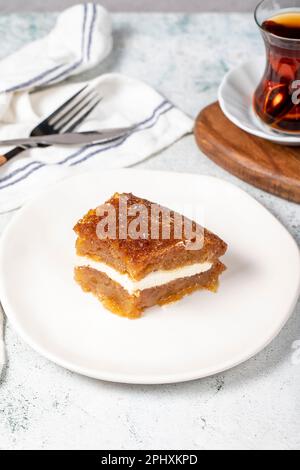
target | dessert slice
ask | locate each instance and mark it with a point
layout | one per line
(133, 254)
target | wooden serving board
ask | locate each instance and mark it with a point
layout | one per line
(272, 167)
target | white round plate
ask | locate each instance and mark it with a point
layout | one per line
(200, 335)
(236, 98)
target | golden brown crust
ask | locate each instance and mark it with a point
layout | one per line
(119, 301)
(139, 257)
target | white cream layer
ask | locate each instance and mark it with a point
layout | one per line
(154, 279)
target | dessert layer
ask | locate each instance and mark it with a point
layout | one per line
(163, 260)
(138, 257)
(118, 300)
(154, 279)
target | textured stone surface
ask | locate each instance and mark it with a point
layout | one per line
(253, 406)
(136, 5)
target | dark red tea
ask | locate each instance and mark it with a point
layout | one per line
(286, 25)
(277, 98)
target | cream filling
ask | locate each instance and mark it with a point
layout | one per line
(154, 279)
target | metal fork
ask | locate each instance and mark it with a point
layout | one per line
(64, 119)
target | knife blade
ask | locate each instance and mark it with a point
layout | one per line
(72, 138)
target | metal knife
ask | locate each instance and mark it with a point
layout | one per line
(72, 138)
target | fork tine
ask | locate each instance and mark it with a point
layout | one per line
(61, 108)
(81, 118)
(58, 121)
(70, 125)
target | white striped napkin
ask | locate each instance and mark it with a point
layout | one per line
(125, 102)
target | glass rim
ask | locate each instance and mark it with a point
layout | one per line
(268, 32)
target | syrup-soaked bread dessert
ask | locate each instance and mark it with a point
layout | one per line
(133, 254)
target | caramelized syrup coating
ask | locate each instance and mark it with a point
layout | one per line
(138, 257)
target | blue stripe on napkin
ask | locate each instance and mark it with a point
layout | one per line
(138, 127)
(91, 31)
(119, 142)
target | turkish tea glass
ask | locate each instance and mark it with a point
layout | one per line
(277, 97)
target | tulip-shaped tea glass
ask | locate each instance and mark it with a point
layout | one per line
(277, 97)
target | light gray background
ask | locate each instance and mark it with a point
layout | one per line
(133, 5)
